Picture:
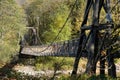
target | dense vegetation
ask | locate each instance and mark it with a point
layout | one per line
(48, 17)
(12, 24)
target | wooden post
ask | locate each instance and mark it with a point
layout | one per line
(93, 41)
(111, 65)
(106, 6)
(93, 50)
(79, 54)
(102, 61)
(102, 65)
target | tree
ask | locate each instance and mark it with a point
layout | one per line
(48, 17)
(77, 17)
(12, 23)
(115, 37)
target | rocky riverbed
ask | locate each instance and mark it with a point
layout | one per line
(30, 70)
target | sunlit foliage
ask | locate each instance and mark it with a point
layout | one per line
(12, 24)
(48, 16)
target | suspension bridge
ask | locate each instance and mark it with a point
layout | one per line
(90, 46)
(65, 48)
(59, 49)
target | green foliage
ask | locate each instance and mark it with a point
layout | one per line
(12, 22)
(48, 63)
(115, 12)
(48, 17)
(77, 17)
(116, 19)
(57, 21)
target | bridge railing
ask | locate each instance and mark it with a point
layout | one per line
(65, 48)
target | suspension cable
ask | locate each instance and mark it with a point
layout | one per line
(59, 30)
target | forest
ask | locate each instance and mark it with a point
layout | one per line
(46, 22)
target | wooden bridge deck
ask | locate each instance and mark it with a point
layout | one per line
(39, 51)
(66, 48)
(36, 51)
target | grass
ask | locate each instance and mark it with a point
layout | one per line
(64, 63)
(117, 60)
(49, 63)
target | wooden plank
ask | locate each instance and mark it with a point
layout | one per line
(66, 48)
(37, 51)
(84, 54)
(100, 27)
